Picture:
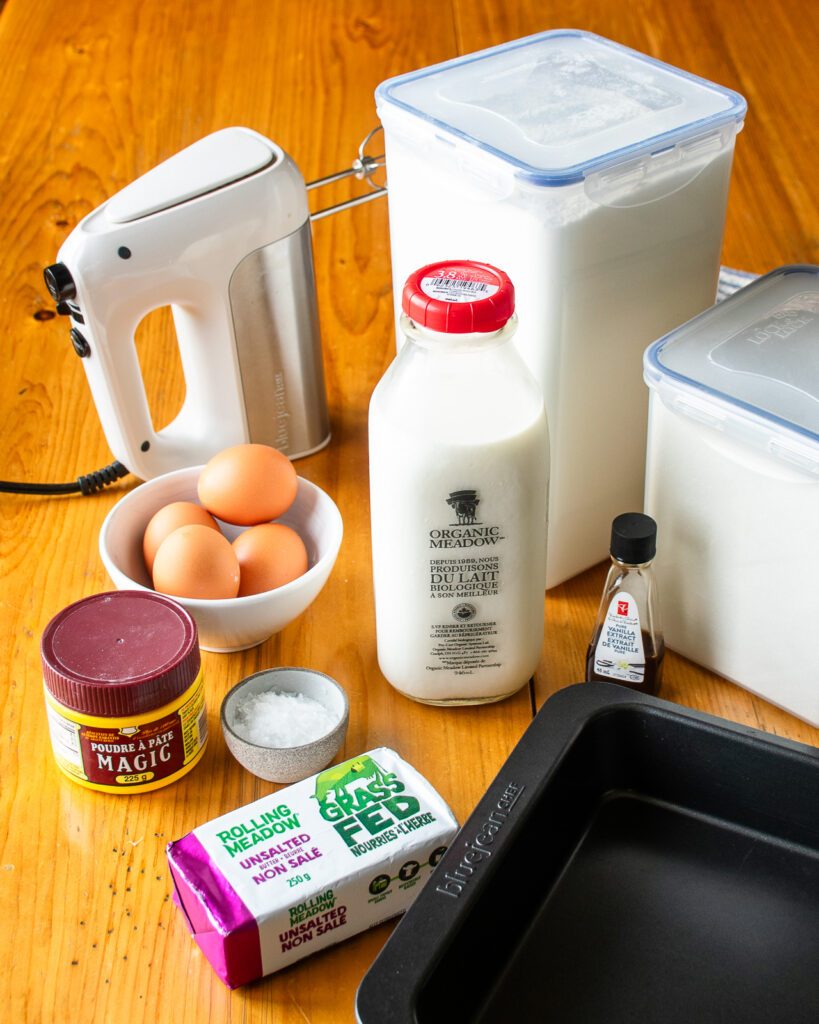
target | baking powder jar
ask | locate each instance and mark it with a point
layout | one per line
(124, 691)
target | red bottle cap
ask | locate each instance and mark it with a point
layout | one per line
(459, 297)
(120, 654)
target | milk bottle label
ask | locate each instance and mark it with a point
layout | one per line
(465, 570)
(619, 653)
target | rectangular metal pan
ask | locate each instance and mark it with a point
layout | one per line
(633, 861)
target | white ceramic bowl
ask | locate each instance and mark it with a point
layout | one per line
(235, 623)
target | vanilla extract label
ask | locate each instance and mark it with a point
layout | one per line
(619, 653)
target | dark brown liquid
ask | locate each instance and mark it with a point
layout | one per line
(652, 670)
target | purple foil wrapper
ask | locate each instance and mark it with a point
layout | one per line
(223, 927)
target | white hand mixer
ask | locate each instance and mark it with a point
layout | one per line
(221, 233)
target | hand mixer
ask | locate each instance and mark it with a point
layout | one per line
(221, 233)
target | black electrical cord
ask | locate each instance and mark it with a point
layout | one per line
(88, 484)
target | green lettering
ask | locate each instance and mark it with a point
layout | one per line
(402, 806)
(347, 829)
(373, 820)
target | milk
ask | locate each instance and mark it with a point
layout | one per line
(458, 580)
(740, 559)
(595, 285)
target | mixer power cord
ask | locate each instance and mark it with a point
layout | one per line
(90, 483)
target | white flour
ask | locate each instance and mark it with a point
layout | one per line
(596, 281)
(737, 558)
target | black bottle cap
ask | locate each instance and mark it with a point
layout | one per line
(633, 538)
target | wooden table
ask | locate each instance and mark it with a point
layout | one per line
(94, 94)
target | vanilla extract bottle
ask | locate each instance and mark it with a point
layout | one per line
(627, 644)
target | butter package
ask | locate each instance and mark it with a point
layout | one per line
(311, 865)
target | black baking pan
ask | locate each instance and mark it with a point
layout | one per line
(633, 861)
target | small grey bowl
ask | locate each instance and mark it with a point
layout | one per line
(287, 764)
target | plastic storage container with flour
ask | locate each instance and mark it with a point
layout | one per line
(597, 178)
(732, 479)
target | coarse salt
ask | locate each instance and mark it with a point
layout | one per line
(278, 718)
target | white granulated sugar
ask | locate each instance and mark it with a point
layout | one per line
(281, 719)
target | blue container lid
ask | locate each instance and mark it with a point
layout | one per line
(561, 105)
(749, 366)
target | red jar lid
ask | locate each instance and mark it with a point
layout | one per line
(120, 653)
(459, 297)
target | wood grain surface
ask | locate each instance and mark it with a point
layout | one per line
(94, 94)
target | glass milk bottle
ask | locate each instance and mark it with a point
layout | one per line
(459, 457)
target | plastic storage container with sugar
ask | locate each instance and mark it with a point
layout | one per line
(597, 178)
(732, 477)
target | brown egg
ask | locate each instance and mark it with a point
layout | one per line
(248, 484)
(196, 561)
(269, 556)
(168, 519)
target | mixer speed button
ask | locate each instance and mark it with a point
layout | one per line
(81, 346)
